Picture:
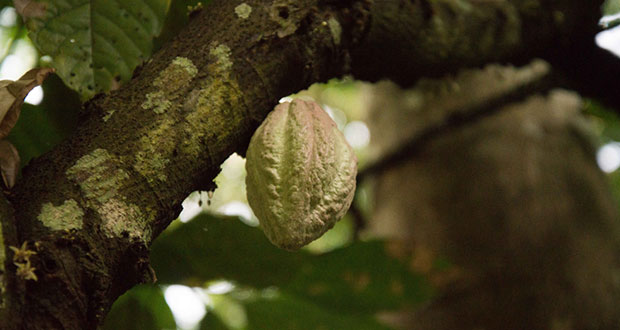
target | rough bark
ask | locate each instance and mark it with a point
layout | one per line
(120, 180)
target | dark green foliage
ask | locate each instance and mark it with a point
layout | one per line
(360, 279)
(209, 248)
(41, 127)
(143, 307)
(289, 312)
(341, 289)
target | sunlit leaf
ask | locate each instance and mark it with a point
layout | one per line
(96, 43)
(12, 94)
(230, 312)
(143, 307)
(12, 31)
(611, 7)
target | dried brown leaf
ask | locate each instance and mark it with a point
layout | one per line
(9, 163)
(30, 8)
(12, 94)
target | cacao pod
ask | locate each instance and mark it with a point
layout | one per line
(300, 174)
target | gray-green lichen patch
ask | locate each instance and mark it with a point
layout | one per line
(156, 101)
(335, 29)
(97, 175)
(62, 217)
(221, 53)
(100, 179)
(212, 110)
(151, 166)
(178, 74)
(210, 105)
(155, 151)
(114, 214)
(280, 14)
(243, 10)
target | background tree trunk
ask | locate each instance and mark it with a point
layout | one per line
(510, 195)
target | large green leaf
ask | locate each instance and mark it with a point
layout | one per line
(142, 307)
(272, 309)
(286, 312)
(359, 279)
(94, 44)
(210, 248)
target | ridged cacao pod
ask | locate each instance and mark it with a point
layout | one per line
(300, 174)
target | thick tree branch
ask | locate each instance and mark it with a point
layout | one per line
(92, 206)
(409, 39)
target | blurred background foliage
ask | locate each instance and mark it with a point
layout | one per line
(215, 268)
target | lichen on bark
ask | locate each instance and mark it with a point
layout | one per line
(100, 178)
(243, 10)
(175, 76)
(211, 104)
(114, 215)
(221, 53)
(62, 217)
(336, 30)
(156, 149)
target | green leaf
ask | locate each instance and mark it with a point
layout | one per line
(605, 121)
(8, 36)
(360, 278)
(288, 312)
(212, 322)
(94, 44)
(5, 3)
(229, 311)
(611, 7)
(43, 126)
(142, 307)
(210, 247)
